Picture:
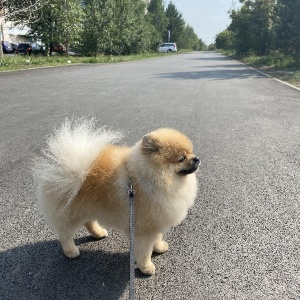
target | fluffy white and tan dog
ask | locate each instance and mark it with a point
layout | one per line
(83, 179)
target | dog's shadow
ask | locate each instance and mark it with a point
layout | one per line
(41, 271)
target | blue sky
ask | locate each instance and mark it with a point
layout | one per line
(207, 17)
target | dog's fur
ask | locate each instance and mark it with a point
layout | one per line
(84, 178)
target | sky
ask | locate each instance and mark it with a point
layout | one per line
(207, 17)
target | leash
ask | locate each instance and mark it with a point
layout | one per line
(131, 238)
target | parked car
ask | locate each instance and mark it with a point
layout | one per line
(30, 48)
(14, 46)
(168, 47)
(57, 47)
(7, 47)
(72, 52)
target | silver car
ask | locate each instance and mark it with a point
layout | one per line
(168, 47)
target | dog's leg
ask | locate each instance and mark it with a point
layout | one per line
(143, 251)
(68, 246)
(160, 246)
(96, 230)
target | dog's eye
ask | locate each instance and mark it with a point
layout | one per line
(182, 159)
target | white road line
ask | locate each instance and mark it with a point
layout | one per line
(288, 84)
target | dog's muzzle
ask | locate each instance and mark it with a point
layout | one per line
(195, 162)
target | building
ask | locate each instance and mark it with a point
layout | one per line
(13, 34)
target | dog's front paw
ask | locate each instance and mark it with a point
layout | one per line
(72, 253)
(161, 247)
(148, 269)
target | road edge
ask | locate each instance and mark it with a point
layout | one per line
(267, 75)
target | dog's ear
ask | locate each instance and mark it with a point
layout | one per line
(149, 145)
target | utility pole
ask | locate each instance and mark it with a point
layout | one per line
(1, 38)
(1, 31)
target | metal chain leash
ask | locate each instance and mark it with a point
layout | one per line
(131, 238)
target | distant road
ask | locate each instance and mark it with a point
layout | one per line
(241, 240)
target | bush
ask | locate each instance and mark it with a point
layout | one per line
(275, 60)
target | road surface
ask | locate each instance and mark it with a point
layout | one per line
(241, 238)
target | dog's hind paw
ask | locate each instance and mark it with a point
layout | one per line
(161, 247)
(100, 234)
(96, 230)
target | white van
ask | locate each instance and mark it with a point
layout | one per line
(168, 47)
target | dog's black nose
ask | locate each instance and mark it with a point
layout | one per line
(196, 160)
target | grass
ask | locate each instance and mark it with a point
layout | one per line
(18, 62)
(21, 62)
(277, 65)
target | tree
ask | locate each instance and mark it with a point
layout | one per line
(176, 24)
(253, 26)
(61, 22)
(189, 39)
(157, 19)
(97, 26)
(130, 33)
(288, 29)
(115, 27)
(211, 47)
(202, 45)
(71, 22)
(21, 12)
(224, 40)
(103, 26)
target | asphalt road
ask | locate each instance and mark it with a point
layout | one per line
(241, 238)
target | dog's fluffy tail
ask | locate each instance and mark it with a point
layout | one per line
(68, 156)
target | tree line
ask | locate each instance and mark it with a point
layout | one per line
(263, 27)
(104, 26)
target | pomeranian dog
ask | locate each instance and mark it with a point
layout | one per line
(83, 179)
